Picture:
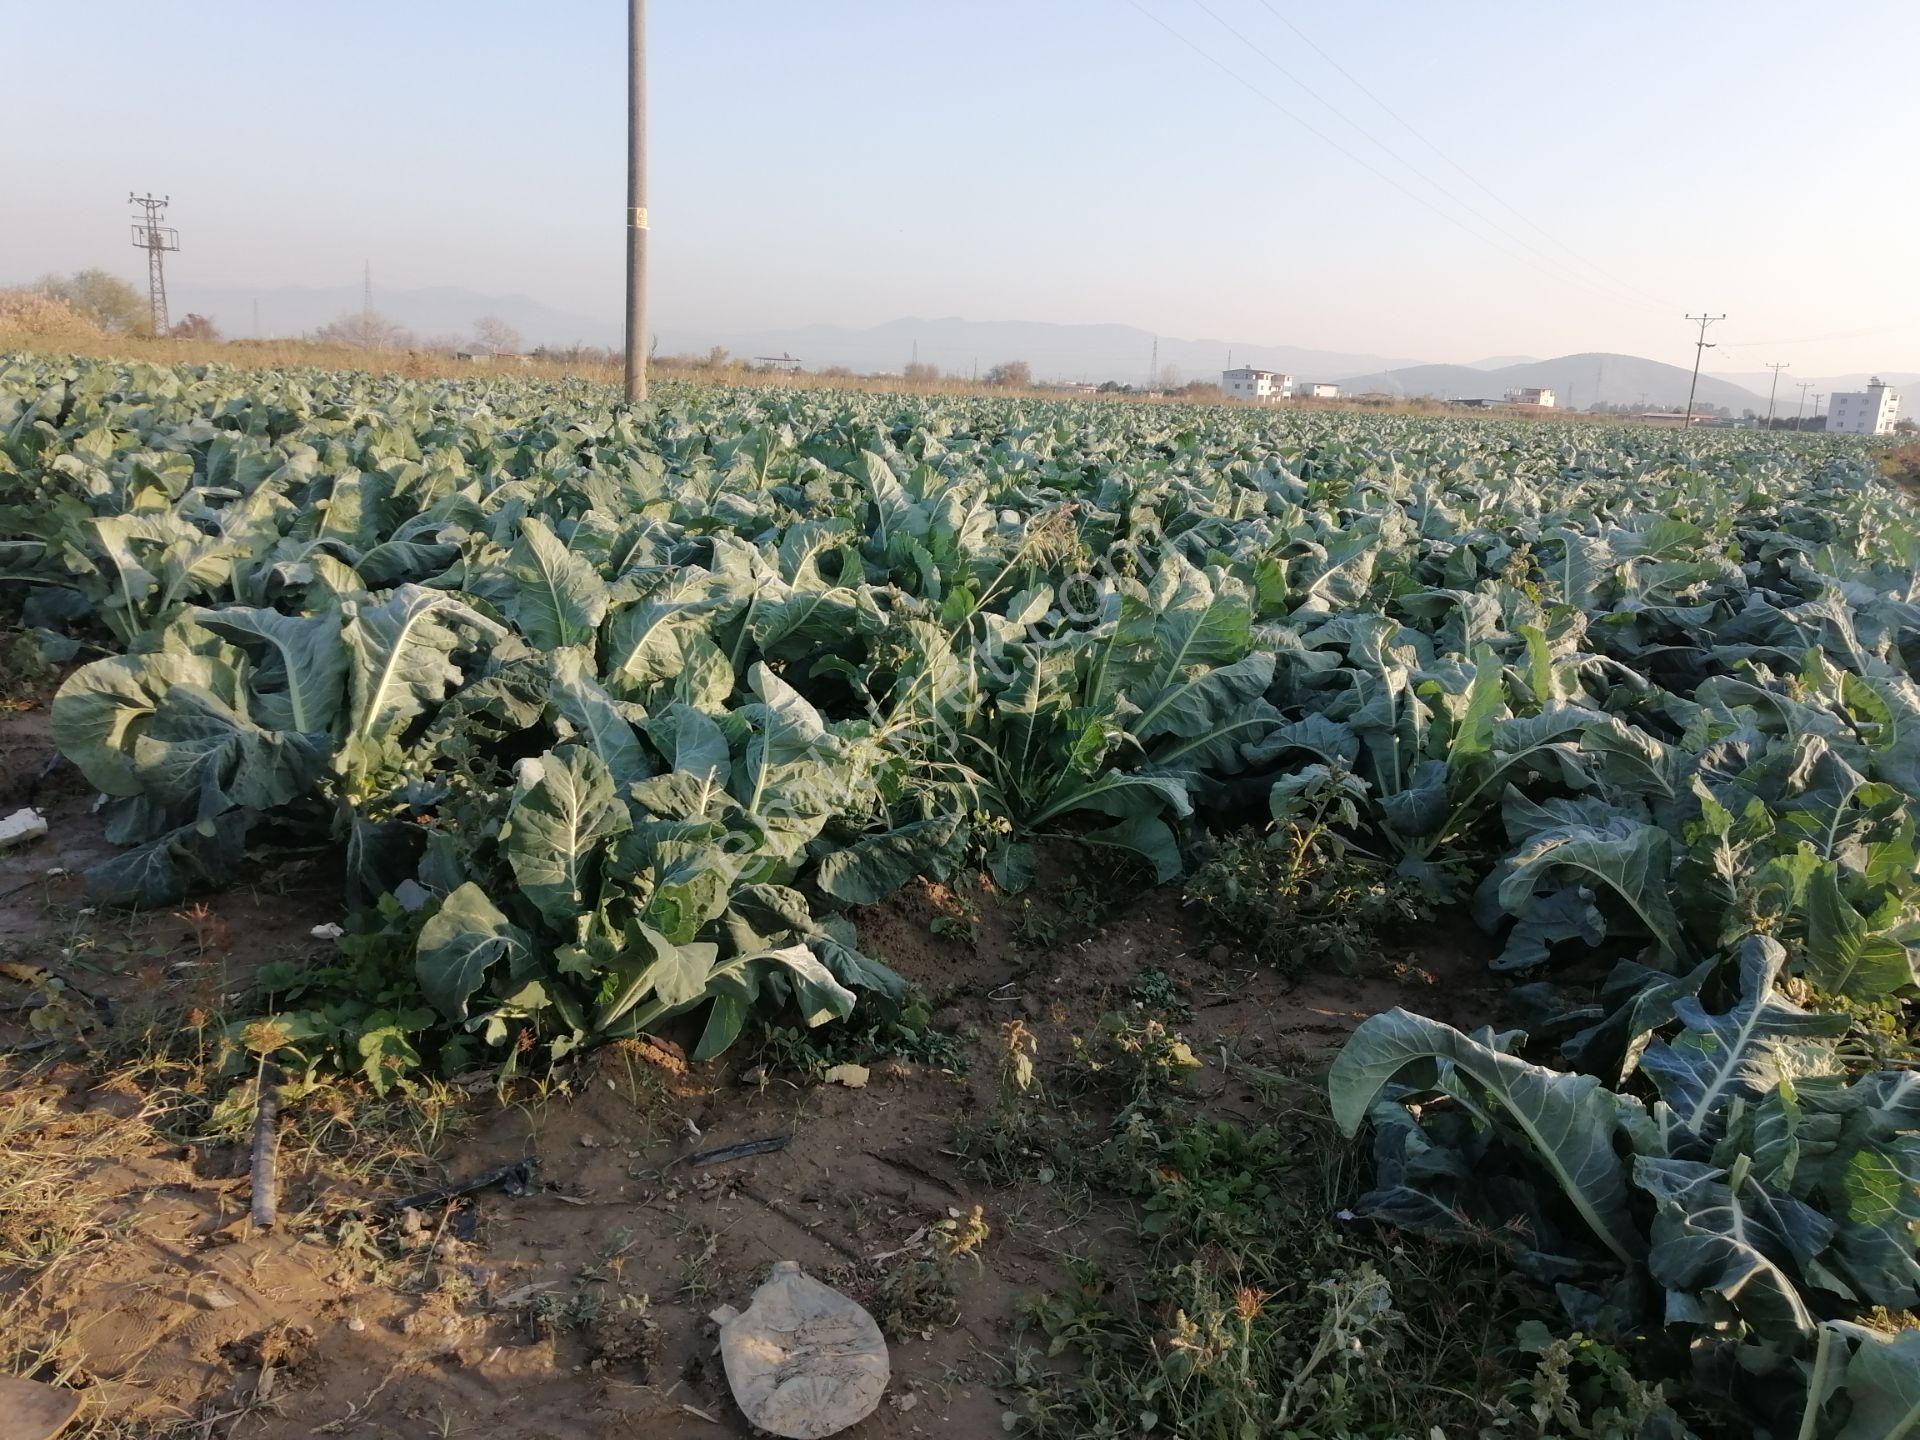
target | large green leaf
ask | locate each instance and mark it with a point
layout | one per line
(578, 695)
(1566, 1121)
(562, 814)
(102, 708)
(200, 756)
(300, 666)
(1731, 1236)
(1845, 954)
(1631, 860)
(465, 937)
(1744, 1053)
(1882, 1384)
(402, 651)
(875, 866)
(558, 597)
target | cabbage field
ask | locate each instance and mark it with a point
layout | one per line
(613, 720)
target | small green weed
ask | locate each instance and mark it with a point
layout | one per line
(907, 1034)
(1299, 895)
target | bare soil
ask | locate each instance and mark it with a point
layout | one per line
(580, 1307)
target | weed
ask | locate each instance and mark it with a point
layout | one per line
(918, 1297)
(1155, 989)
(700, 1271)
(1138, 1062)
(908, 1034)
(1298, 894)
(1580, 1387)
(1012, 1139)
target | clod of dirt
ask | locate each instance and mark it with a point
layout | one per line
(32, 1411)
(623, 1335)
(803, 1360)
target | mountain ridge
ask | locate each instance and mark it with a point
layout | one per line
(1578, 381)
(1054, 351)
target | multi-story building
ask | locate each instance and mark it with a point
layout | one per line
(1531, 395)
(1871, 411)
(1247, 383)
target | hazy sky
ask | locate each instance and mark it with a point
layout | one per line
(855, 161)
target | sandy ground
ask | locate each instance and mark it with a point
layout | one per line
(580, 1307)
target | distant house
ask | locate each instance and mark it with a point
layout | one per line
(1317, 390)
(491, 357)
(1247, 383)
(1532, 395)
(1872, 411)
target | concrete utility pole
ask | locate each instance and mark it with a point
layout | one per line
(1805, 385)
(1771, 389)
(1700, 348)
(636, 201)
(156, 239)
(1818, 396)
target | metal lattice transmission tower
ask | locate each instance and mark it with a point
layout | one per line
(156, 239)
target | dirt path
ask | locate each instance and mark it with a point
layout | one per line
(580, 1306)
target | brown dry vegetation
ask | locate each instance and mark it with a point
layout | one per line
(417, 364)
(29, 315)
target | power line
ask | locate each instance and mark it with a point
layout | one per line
(1453, 164)
(1815, 339)
(1560, 272)
(1700, 348)
(1363, 163)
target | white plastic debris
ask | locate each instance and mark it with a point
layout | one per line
(854, 1077)
(22, 826)
(802, 1359)
(326, 932)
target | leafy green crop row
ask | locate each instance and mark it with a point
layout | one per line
(613, 717)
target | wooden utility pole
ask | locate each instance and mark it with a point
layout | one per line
(636, 201)
(1700, 348)
(1773, 389)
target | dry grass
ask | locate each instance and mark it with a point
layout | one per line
(49, 1205)
(430, 364)
(30, 314)
(1902, 467)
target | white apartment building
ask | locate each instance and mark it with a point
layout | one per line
(1871, 411)
(1247, 383)
(1541, 396)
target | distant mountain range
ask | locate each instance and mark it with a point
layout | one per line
(1055, 352)
(1577, 381)
(1124, 353)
